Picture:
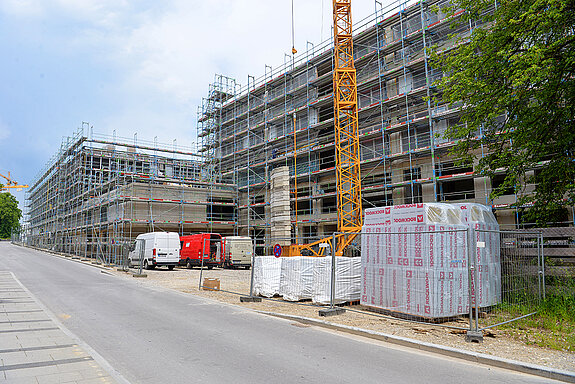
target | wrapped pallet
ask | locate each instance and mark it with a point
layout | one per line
(415, 259)
(296, 281)
(486, 252)
(267, 273)
(347, 280)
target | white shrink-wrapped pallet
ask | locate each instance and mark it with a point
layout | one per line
(296, 281)
(267, 274)
(347, 280)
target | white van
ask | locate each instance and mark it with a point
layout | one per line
(158, 248)
(237, 251)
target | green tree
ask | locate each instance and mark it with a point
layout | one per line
(10, 215)
(514, 80)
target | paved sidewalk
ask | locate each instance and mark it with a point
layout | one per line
(33, 347)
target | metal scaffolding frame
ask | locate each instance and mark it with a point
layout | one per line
(99, 192)
(403, 155)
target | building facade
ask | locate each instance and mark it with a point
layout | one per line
(285, 119)
(98, 193)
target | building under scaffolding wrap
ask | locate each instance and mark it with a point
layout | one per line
(265, 166)
(248, 132)
(99, 192)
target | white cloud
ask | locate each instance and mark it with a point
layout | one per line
(166, 53)
(21, 8)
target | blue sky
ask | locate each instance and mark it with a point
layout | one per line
(132, 66)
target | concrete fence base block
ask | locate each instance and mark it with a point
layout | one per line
(331, 311)
(474, 336)
(250, 299)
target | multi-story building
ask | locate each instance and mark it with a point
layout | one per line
(97, 193)
(285, 118)
(266, 163)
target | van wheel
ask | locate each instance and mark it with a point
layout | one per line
(189, 264)
(146, 266)
(210, 266)
(171, 267)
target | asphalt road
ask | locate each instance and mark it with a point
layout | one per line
(152, 335)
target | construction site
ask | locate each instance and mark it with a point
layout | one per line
(267, 154)
(326, 187)
(98, 193)
(286, 118)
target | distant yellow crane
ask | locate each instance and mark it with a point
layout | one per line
(348, 177)
(11, 183)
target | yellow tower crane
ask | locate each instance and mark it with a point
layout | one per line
(11, 183)
(348, 175)
(349, 219)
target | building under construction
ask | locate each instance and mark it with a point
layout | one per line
(265, 165)
(99, 192)
(286, 119)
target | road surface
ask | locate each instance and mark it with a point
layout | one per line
(152, 335)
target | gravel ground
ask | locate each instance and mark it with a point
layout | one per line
(496, 342)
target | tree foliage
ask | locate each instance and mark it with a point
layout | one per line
(10, 215)
(514, 80)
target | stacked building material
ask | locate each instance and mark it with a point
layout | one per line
(415, 261)
(303, 278)
(280, 207)
(484, 233)
(267, 273)
(297, 277)
(347, 280)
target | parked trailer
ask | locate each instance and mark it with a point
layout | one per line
(237, 251)
(158, 249)
(200, 245)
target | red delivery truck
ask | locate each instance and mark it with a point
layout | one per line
(200, 245)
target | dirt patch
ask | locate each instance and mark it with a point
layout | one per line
(234, 283)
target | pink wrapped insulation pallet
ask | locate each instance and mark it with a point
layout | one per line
(487, 252)
(296, 281)
(267, 273)
(422, 274)
(347, 280)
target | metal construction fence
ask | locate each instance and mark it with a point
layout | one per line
(522, 278)
(464, 278)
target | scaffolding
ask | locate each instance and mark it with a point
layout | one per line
(403, 154)
(99, 192)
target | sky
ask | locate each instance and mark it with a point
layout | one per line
(128, 66)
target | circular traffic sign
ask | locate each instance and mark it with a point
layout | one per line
(277, 250)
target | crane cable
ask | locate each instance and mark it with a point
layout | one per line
(293, 50)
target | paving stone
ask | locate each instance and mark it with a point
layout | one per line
(33, 349)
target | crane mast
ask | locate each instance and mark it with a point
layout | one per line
(348, 175)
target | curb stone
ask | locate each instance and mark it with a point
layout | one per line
(514, 365)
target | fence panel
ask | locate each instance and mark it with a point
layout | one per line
(417, 272)
(518, 272)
